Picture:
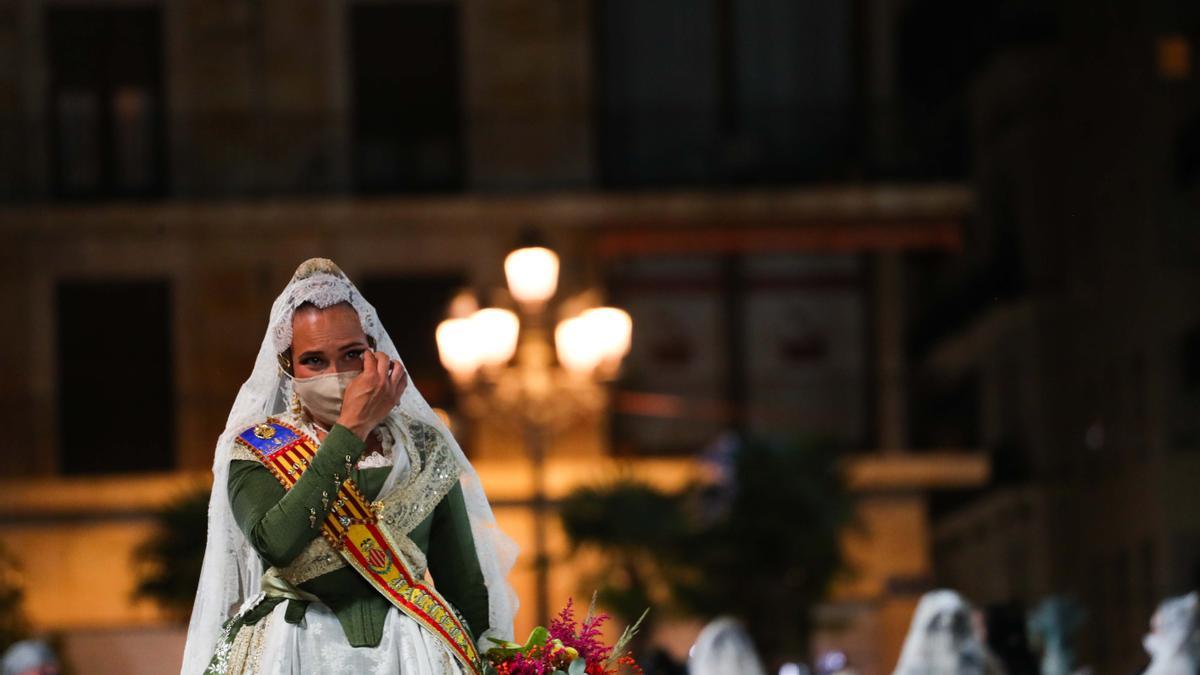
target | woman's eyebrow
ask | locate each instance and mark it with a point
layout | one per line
(357, 344)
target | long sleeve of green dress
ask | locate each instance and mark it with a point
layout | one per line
(280, 523)
(276, 522)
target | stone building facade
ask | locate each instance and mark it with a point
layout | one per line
(165, 165)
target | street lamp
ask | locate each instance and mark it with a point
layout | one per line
(512, 367)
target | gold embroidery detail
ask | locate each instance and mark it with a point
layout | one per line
(434, 473)
(316, 559)
(258, 641)
(245, 654)
(240, 451)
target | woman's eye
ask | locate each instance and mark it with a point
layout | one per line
(311, 362)
(354, 354)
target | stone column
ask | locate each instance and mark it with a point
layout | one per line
(881, 27)
(892, 396)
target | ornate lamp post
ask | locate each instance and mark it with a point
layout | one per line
(510, 366)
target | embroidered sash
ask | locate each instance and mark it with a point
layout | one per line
(351, 528)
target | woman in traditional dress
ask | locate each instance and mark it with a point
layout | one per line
(1174, 640)
(943, 639)
(337, 494)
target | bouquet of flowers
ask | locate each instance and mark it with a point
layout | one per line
(566, 648)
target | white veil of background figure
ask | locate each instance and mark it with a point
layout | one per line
(724, 647)
(941, 639)
(1174, 640)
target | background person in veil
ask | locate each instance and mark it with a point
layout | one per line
(1174, 639)
(944, 639)
(722, 647)
(336, 488)
(30, 657)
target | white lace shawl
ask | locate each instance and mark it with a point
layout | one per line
(232, 570)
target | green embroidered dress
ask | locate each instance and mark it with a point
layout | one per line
(283, 526)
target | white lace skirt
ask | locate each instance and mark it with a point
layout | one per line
(318, 646)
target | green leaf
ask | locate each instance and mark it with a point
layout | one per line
(578, 667)
(537, 637)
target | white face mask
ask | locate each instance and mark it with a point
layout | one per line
(322, 395)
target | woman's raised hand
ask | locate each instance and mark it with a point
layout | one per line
(372, 395)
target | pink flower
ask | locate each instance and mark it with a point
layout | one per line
(585, 638)
(564, 636)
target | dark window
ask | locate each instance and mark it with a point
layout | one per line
(735, 91)
(115, 384)
(407, 131)
(1185, 426)
(105, 103)
(942, 46)
(410, 309)
(1189, 361)
(659, 91)
(946, 414)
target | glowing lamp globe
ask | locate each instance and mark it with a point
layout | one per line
(460, 349)
(497, 330)
(613, 329)
(532, 274)
(579, 348)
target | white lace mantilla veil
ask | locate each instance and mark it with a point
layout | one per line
(1174, 644)
(231, 575)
